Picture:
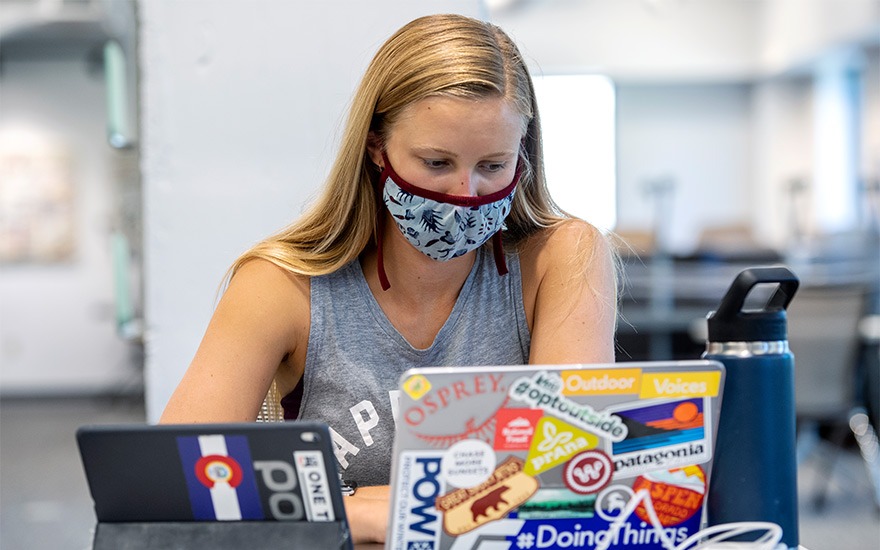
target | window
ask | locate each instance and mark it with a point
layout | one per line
(578, 122)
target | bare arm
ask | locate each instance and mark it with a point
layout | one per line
(367, 512)
(255, 328)
(575, 302)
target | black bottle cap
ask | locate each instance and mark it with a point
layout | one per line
(730, 323)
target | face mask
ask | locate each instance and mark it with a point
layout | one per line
(445, 226)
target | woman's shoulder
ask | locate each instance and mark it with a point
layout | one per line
(263, 279)
(571, 241)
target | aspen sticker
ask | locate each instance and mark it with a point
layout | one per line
(676, 494)
(468, 463)
(588, 472)
(466, 509)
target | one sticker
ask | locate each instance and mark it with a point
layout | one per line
(588, 472)
(601, 381)
(315, 488)
(554, 443)
(514, 428)
(416, 386)
(468, 463)
(663, 435)
(680, 384)
(507, 487)
(544, 391)
(675, 494)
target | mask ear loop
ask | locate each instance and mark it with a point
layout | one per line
(497, 244)
(380, 227)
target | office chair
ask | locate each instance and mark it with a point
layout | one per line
(823, 333)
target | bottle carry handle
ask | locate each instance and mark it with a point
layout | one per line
(735, 298)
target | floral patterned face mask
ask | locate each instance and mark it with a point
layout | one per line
(445, 226)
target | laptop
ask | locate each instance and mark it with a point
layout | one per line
(542, 457)
(255, 485)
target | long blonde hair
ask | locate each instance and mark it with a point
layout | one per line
(434, 55)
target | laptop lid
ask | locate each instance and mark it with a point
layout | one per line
(533, 457)
(212, 472)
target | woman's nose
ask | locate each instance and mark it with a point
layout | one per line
(467, 184)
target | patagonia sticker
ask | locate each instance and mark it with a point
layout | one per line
(466, 509)
(663, 436)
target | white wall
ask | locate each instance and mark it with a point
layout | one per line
(57, 325)
(698, 137)
(241, 107)
(638, 40)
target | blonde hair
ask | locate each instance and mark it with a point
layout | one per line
(449, 55)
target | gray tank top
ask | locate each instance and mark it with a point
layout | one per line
(355, 356)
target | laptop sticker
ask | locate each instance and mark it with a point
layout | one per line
(514, 428)
(555, 442)
(665, 435)
(415, 521)
(315, 487)
(676, 494)
(588, 472)
(220, 477)
(544, 391)
(507, 487)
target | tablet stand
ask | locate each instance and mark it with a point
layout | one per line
(219, 535)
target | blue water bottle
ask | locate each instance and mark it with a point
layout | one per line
(754, 472)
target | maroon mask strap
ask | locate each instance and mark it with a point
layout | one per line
(380, 229)
(498, 250)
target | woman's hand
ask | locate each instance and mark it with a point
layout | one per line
(367, 512)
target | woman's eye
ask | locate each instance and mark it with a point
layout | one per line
(494, 166)
(430, 163)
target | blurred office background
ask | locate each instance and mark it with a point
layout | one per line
(145, 143)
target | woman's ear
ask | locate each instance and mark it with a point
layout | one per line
(374, 149)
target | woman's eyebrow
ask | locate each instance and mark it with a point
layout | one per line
(442, 151)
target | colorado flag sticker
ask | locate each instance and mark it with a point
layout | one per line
(220, 477)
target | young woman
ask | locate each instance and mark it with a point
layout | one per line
(435, 242)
